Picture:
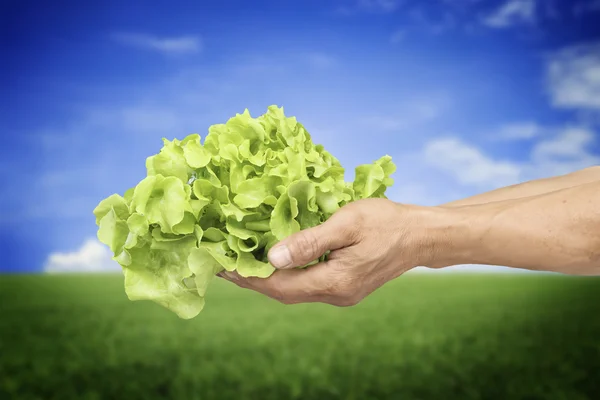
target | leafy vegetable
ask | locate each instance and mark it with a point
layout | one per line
(221, 205)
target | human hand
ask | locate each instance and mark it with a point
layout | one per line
(371, 241)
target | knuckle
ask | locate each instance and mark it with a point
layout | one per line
(359, 216)
(349, 223)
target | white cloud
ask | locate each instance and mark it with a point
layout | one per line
(568, 150)
(92, 256)
(571, 143)
(114, 137)
(165, 45)
(573, 76)
(519, 130)
(469, 165)
(411, 193)
(511, 13)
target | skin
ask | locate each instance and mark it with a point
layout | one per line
(549, 224)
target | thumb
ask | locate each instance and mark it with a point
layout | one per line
(309, 244)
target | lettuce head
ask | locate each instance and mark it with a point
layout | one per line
(222, 204)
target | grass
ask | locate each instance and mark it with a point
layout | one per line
(423, 336)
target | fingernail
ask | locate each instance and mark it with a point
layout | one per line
(280, 257)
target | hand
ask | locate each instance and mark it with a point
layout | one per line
(371, 241)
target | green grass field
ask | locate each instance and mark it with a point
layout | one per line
(423, 336)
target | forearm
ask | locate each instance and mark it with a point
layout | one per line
(557, 231)
(532, 188)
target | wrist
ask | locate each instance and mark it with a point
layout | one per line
(449, 236)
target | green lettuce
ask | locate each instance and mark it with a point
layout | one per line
(222, 204)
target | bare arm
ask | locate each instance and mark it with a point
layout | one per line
(532, 188)
(545, 225)
(557, 231)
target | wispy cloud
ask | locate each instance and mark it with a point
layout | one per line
(519, 131)
(412, 193)
(568, 150)
(512, 12)
(469, 165)
(573, 77)
(165, 45)
(92, 256)
(114, 137)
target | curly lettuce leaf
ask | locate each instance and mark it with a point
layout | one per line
(221, 205)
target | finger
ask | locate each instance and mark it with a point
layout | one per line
(233, 276)
(309, 244)
(288, 286)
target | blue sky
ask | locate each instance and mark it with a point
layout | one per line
(465, 95)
